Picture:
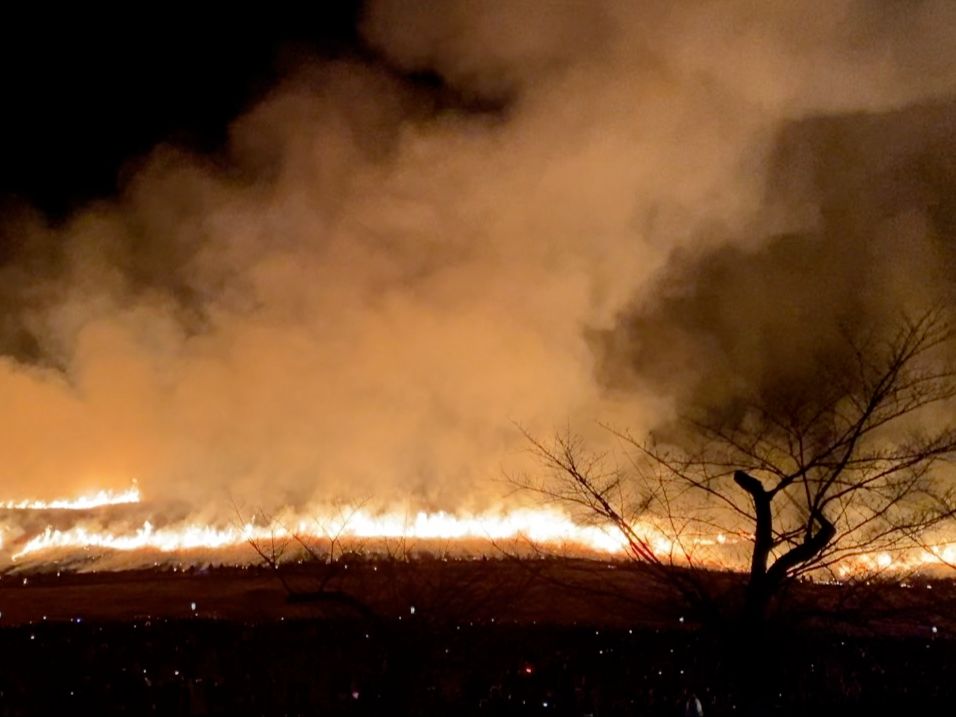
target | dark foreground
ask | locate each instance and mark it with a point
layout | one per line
(332, 661)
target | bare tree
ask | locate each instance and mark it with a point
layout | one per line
(807, 480)
(321, 547)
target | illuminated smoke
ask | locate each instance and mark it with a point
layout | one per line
(597, 216)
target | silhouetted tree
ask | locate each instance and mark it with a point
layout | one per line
(815, 478)
(319, 545)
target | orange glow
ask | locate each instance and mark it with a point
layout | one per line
(89, 501)
(547, 527)
(538, 526)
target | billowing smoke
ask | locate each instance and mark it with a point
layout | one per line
(877, 246)
(602, 207)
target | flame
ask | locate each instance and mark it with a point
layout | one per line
(541, 526)
(84, 502)
(538, 526)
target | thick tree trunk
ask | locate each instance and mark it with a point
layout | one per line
(765, 580)
(759, 590)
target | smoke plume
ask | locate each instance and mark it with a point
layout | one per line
(602, 209)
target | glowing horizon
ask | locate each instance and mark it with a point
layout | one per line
(87, 501)
(546, 527)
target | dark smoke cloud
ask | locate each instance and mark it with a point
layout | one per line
(878, 243)
(598, 210)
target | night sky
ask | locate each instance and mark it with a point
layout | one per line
(87, 95)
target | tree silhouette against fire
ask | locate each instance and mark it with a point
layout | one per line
(807, 480)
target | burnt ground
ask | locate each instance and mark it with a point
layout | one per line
(462, 637)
